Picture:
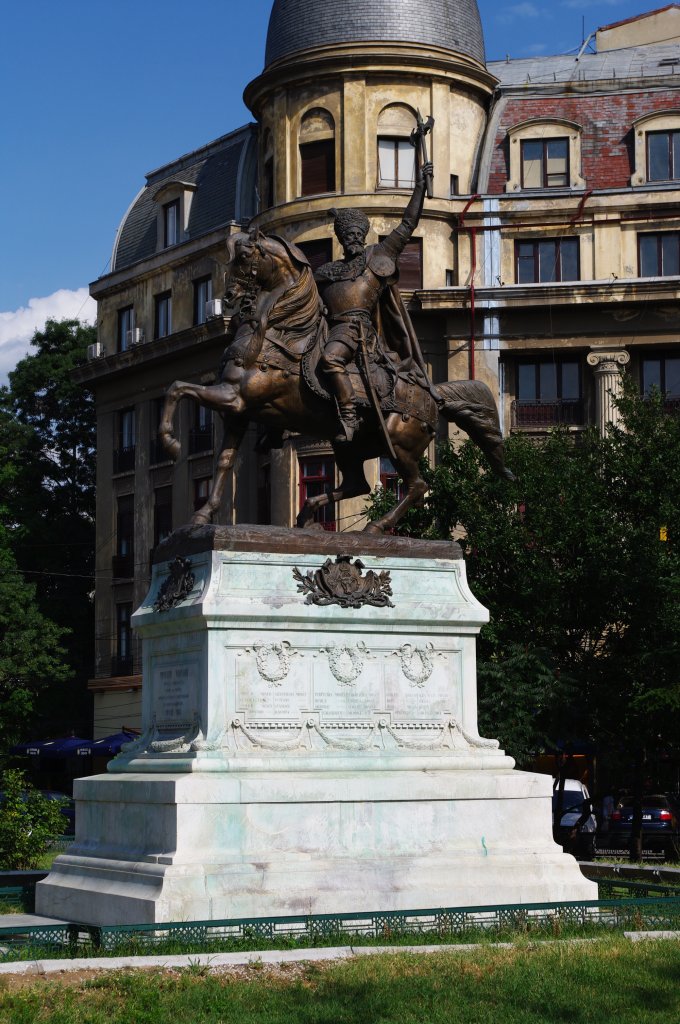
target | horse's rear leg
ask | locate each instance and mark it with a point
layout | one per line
(353, 483)
(407, 458)
(231, 442)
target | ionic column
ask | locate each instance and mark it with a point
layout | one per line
(607, 367)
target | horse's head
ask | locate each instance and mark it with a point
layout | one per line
(250, 266)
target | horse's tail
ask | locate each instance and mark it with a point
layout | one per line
(471, 406)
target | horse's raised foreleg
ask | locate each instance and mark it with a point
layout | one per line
(353, 483)
(215, 396)
(231, 442)
(409, 444)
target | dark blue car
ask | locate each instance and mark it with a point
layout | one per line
(660, 825)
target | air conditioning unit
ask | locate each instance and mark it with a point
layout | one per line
(135, 337)
(213, 308)
(96, 351)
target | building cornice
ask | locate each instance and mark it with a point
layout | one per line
(366, 59)
(567, 293)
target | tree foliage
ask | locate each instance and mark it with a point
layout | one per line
(47, 474)
(29, 822)
(584, 638)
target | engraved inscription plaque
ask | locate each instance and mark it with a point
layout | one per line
(175, 688)
(409, 702)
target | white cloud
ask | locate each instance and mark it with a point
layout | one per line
(18, 326)
(515, 11)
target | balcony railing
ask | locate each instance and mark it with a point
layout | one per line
(200, 440)
(157, 452)
(122, 664)
(124, 460)
(547, 414)
(123, 567)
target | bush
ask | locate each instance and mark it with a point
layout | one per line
(29, 822)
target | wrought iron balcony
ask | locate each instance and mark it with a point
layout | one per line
(123, 566)
(200, 440)
(124, 460)
(544, 415)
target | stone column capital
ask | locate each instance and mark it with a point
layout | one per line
(608, 360)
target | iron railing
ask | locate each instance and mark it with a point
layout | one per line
(547, 414)
(124, 459)
(23, 942)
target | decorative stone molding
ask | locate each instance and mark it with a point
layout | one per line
(659, 121)
(607, 366)
(545, 128)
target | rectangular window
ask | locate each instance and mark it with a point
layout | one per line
(390, 481)
(203, 293)
(317, 476)
(454, 188)
(162, 514)
(317, 161)
(663, 374)
(659, 254)
(548, 393)
(124, 453)
(545, 163)
(171, 223)
(663, 156)
(163, 321)
(396, 163)
(201, 432)
(547, 261)
(202, 489)
(124, 559)
(126, 325)
(122, 660)
(410, 265)
(318, 252)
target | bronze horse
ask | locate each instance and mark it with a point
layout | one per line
(268, 375)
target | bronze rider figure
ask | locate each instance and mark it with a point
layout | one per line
(351, 290)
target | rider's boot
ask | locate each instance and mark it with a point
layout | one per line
(344, 394)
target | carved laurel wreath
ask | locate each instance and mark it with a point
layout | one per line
(273, 661)
(338, 658)
(416, 663)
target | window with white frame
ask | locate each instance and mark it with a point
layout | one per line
(656, 148)
(544, 154)
(203, 293)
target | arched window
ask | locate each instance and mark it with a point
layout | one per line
(545, 153)
(317, 153)
(396, 155)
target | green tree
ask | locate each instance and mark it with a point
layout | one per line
(29, 822)
(47, 448)
(584, 639)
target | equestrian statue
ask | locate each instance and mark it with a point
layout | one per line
(333, 356)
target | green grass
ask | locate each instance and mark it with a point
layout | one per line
(609, 982)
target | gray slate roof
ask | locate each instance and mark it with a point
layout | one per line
(225, 191)
(297, 25)
(631, 62)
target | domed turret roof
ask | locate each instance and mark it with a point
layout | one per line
(297, 25)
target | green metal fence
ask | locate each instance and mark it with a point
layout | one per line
(449, 925)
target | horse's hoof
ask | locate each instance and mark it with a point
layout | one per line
(200, 519)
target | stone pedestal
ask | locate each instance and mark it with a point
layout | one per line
(304, 756)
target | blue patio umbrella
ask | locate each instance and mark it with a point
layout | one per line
(68, 746)
(108, 746)
(32, 748)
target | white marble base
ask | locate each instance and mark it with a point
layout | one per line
(155, 848)
(308, 759)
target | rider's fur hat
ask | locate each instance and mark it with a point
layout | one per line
(349, 218)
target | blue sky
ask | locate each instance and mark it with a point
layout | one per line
(96, 94)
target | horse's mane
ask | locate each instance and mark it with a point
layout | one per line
(298, 309)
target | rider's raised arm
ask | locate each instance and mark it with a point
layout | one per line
(395, 242)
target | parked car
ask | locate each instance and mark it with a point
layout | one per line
(575, 803)
(660, 824)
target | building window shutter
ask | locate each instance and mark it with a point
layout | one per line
(318, 167)
(411, 265)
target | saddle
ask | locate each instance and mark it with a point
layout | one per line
(398, 386)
